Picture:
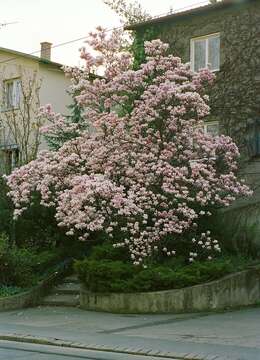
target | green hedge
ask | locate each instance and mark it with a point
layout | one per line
(108, 252)
(37, 226)
(20, 267)
(106, 275)
(109, 275)
(9, 290)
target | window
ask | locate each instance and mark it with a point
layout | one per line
(211, 128)
(12, 93)
(205, 52)
(11, 158)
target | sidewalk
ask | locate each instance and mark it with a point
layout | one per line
(233, 335)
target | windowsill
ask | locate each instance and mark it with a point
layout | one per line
(9, 109)
(213, 71)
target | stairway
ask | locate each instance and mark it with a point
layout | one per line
(64, 294)
(251, 174)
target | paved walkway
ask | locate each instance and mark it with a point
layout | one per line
(231, 335)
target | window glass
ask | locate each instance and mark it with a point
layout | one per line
(16, 93)
(205, 52)
(11, 159)
(9, 94)
(212, 128)
(12, 93)
(213, 52)
(199, 54)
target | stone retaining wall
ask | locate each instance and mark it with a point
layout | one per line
(33, 296)
(238, 225)
(239, 289)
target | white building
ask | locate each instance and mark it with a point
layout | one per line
(27, 82)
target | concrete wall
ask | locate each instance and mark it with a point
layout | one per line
(238, 226)
(240, 289)
(239, 229)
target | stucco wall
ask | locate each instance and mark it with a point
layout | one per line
(54, 82)
(52, 90)
(12, 132)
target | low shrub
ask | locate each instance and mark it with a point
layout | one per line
(104, 276)
(45, 260)
(108, 252)
(117, 276)
(20, 267)
(19, 263)
(9, 290)
(37, 228)
(165, 277)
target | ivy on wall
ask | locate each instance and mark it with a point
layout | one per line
(235, 96)
(137, 46)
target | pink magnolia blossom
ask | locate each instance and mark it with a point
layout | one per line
(146, 173)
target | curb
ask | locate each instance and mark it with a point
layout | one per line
(117, 349)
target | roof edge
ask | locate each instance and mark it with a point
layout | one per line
(194, 11)
(29, 56)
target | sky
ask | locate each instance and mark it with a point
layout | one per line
(59, 21)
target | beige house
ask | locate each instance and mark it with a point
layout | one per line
(27, 82)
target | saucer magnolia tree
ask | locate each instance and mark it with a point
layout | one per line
(130, 12)
(146, 174)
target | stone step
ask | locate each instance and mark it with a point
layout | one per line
(71, 279)
(67, 288)
(61, 300)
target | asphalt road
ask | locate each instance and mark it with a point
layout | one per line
(233, 335)
(10, 350)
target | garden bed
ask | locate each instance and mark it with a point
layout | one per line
(235, 290)
(108, 270)
(110, 282)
